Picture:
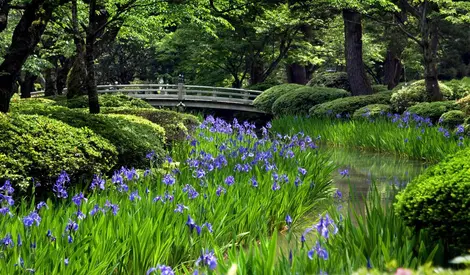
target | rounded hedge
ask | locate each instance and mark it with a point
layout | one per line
(177, 125)
(265, 101)
(439, 200)
(413, 94)
(379, 88)
(372, 111)
(133, 136)
(38, 147)
(106, 100)
(347, 106)
(452, 119)
(302, 99)
(464, 104)
(262, 86)
(337, 80)
(459, 87)
(433, 110)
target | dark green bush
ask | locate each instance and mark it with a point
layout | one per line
(38, 147)
(433, 110)
(459, 87)
(265, 101)
(177, 125)
(413, 94)
(262, 86)
(379, 88)
(133, 136)
(302, 99)
(439, 200)
(372, 111)
(106, 100)
(347, 106)
(337, 80)
(452, 119)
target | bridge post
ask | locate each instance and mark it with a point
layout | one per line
(180, 91)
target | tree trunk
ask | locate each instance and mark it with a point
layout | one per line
(51, 82)
(296, 73)
(25, 38)
(353, 50)
(62, 72)
(27, 85)
(392, 69)
(257, 71)
(430, 47)
(90, 83)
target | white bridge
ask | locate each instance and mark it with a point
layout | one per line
(190, 96)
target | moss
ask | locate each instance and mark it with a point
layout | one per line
(302, 99)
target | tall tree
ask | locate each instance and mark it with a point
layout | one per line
(25, 37)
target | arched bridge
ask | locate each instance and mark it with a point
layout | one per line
(191, 96)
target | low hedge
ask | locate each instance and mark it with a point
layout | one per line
(33, 146)
(337, 80)
(433, 110)
(439, 199)
(464, 104)
(177, 125)
(301, 100)
(372, 111)
(106, 100)
(133, 136)
(415, 93)
(379, 88)
(265, 101)
(452, 119)
(347, 106)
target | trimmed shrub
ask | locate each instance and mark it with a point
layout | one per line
(464, 104)
(265, 101)
(177, 126)
(38, 147)
(379, 88)
(433, 110)
(413, 94)
(337, 80)
(452, 119)
(460, 88)
(302, 99)
(262, 86)
(439, 200)
(133, 136)
(106, 100)
(347, 106)
(372, 111)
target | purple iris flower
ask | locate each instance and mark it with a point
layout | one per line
(168, 179)
(7, 241)
(344, 173)
(71, 226)
(32, 218)
(7, 188)
(41, 205)
(288, 220)
(230, 180)
(134, 196)
(220, 190)
(207, 259)
(97, 182)
(77, 199)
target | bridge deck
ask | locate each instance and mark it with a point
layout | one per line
(170, 95)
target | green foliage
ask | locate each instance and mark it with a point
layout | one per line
(265, 101)
(301, 100)
(262, 86)
(452, 119)
(460, 88)
(439, 200)
(38, 147)
(433, 110)
(414, 94)
(106, 100)
(464, 104)
(133, 136)
(177, 125)
(332, 80)
(347, 106)
(379, 88)
(372, 111)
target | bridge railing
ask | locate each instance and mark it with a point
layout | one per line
(179, 92)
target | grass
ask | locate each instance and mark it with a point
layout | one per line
(406, 136)
(238, 218)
